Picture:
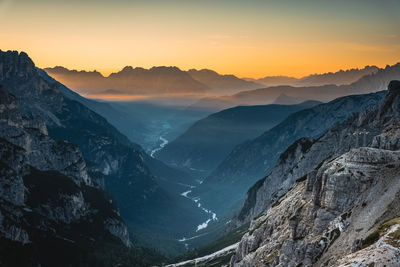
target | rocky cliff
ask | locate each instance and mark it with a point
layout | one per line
(252, 160)
(370, 128)
(46, 193)
(337, 203)
(122, 167)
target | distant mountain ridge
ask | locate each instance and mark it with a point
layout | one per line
(290, 94)
(368, 83)
(222, 84)
(154, 81)
(171, 80)
(340, 77)
(284, 99)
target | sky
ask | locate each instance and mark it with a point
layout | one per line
(248, 38)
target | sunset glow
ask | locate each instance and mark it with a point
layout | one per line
(246, 38)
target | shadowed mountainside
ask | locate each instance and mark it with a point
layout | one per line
(120, 166)
(251, 160)
(207, 142)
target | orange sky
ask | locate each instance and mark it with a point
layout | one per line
(251, 38)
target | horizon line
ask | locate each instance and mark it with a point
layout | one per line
(106, 74)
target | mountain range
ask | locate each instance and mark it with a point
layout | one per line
(170, 81)
(222, 84)
(155, 81)
(312, 184)
(329, 201)
(207, 142)
(118, 166)
(253, 159)
(340, 77)
(368, 80)
(369, 83)
(333, 201)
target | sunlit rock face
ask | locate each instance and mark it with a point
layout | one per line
(325, 215)
(329, 196)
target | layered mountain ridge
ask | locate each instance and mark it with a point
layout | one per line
(222, 84)
(342, 206)
(368, 83)
(340, 77)
(206, 143)
(74, 187)
(251, 160)
(365, 129)
(120, 167)
(154, 81)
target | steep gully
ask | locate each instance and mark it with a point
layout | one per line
(212, 215)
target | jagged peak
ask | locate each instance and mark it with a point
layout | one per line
(127, 69)
(18, 64)
(205, 71)
(66, 71)
(165, 69)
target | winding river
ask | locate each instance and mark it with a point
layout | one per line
(212, 215)
(164, 142)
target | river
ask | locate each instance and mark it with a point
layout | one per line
(164, 142)
(212, 215)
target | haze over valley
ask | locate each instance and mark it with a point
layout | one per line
(199, 133)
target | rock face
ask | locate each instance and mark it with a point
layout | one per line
(114, 163)
(376, 128)
(324, 216)
(253, 159)
(332, 213)
(42, 178)
(69, 120)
